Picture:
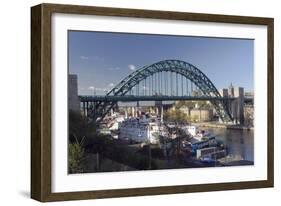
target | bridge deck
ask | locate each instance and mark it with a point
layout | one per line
(132, 98)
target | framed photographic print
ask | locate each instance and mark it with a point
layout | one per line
(129, 102)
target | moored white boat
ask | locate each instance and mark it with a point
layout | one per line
(140, 130)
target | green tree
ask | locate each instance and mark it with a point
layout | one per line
(175, 116)
(76, 154)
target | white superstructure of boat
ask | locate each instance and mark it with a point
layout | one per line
(140, 130)
(196, 133)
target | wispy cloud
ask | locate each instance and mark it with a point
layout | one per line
(97, 58)
(84, 57)
(91, 88)
(132, 67)
(111, 85)
(97, 89)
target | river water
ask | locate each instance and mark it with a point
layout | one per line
(239, 143)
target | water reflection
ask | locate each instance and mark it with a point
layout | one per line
(239, 143)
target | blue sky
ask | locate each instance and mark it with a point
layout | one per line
(102, 59)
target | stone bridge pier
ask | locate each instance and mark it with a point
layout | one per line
(238, 106)
(235, 105)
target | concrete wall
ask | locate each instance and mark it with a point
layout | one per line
(73, 101)
(239, 105)
(236, 106)
(223, 92)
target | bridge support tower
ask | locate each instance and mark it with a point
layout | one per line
(237, 106)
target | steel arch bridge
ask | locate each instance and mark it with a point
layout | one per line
(128, 88)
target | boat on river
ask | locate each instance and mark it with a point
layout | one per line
(199, 139)
(140, 130)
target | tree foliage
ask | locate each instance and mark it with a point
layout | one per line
(175, 116)
(75, 157)
(193, 104)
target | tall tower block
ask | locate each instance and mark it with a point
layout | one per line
(73, 100)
